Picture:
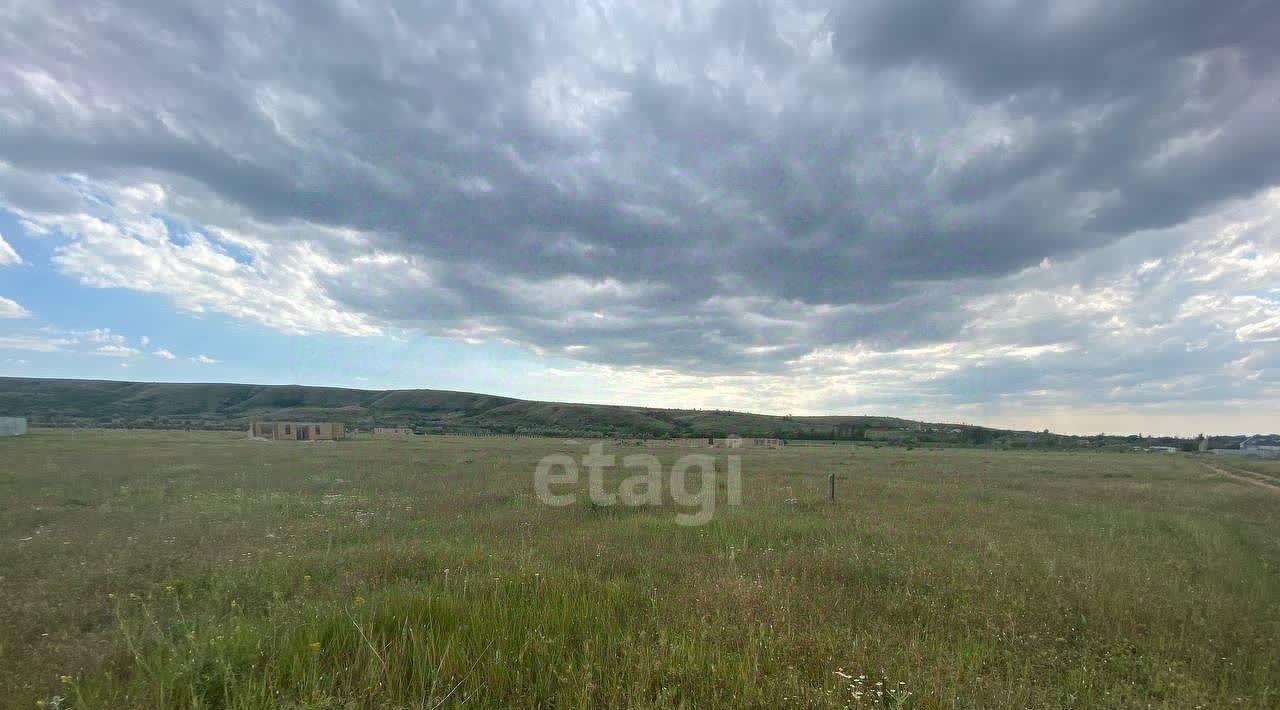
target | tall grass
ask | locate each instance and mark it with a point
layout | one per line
(173, 570)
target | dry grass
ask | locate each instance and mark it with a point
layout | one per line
(201, 570)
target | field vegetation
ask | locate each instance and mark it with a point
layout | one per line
(203, 570)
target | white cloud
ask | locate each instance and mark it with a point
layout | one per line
(103, 335)
(270, 274)
(7, 255)
(144, 340)
(164, 354)
(115, 350)
(1265, 331)
(10, 308)
(34, 343)
(204, 360)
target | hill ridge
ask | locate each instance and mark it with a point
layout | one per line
(69, 402)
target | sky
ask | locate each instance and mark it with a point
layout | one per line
(1050, 214)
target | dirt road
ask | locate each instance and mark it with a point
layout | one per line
(1257, 479)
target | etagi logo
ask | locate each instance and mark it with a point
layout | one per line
(644, 488)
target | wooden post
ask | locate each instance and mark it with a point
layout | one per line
(831, 486)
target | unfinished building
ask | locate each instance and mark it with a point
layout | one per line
(297, 431)
(392, 432)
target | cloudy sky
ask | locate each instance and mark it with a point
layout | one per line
(1041, 214)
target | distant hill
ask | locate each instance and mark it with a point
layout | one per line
(102, 403)
(50, 402)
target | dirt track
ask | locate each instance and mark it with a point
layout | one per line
(1257, 479)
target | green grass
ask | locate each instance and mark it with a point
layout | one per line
(168, 569)
(1267, 467)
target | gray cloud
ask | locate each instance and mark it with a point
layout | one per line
(726, 186)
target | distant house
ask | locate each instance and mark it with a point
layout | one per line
(1267, 446)
(738, 442)
(391, 432)
(297, 431)
(1163, 449)
(13, 426)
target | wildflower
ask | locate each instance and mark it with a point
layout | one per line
(314, 646)
(66, 679)
(234, 604)
(358, 602)
(306, 578)
(111, 595)
(169, 588)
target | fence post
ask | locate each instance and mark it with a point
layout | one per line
(831, 486)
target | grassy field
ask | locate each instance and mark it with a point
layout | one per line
(1267, 467)
(169, 569)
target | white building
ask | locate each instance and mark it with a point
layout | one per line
(13, 426)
